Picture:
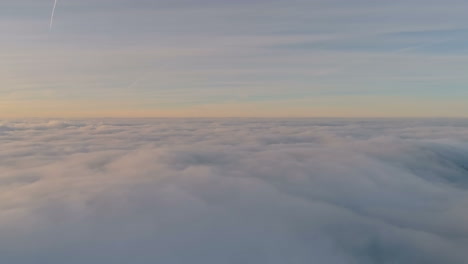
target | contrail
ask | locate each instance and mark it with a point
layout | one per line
(134, 83)
(137, 81)
(52, 16)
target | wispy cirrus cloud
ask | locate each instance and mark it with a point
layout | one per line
(240, 47)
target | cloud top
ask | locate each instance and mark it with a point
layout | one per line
(233, 191)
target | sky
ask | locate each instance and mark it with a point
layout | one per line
(218, 58)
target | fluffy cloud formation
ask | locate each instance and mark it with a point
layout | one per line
(234, 191)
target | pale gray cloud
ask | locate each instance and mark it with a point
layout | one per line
(233, 191)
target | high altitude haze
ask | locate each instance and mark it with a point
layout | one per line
(233, 58)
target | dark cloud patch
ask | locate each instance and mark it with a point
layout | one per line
(234, 191)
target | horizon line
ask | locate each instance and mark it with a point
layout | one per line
(239, 117)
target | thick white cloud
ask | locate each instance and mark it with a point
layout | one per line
(233, 191)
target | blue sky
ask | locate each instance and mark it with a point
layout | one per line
(234, 58)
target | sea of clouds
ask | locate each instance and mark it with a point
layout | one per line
(234, 191)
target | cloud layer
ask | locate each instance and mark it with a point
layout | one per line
(233, 191)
